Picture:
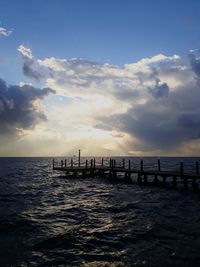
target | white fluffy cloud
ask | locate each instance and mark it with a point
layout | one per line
(151, 105)
(5, 32)
(25, 52)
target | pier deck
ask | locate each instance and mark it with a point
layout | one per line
(130, 174)
(130, 171)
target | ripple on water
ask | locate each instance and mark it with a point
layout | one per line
(46, 220)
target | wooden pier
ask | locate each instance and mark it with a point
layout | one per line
(125, 172)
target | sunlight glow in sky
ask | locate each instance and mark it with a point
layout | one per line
(107, 77)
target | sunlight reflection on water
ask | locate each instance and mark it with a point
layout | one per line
(49, 220)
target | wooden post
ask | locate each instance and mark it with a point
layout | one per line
(65, 163)
(110, 163)
(185, 183)
(141, 165)
(155, 181)
(181, 169)
(114, 161)
(197, 167)
(110, 172)
(195, 185)
(145, 179)
(79, 157)
(86, 164)
(139, 178)
(174, 183)
(102, 162)
(164, 179)
(72, 163)
(94, 163)
(53, 163)
(61, 163)
(92, 168)
(91, 163)
(129, 164)
(159, 167)
(123, 163)
(127, 177)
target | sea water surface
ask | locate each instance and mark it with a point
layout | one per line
(47, 219)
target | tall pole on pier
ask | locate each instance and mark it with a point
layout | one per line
(79, 157)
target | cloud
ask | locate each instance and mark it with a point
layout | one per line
(5, 32)
(195, 64)
(83, 77)
(168, 119)
(29, 69)
(159, 90)
(152, 105)
(18, 109)
(25, 52)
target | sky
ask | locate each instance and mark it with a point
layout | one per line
(109, 77)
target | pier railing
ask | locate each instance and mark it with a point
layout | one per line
(140, 165)
(157, 173)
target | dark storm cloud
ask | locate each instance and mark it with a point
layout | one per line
(125, 94)
(195, 64)
(17, 109)
(159, 90)
(165, 121)
(160, 95)
(29, 71)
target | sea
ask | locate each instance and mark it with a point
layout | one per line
(49, 219)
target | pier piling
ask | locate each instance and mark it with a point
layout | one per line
(141, 165)
(181, 169)
(155, 181)
(72, 163)
(79, 157)
(129, 164)
(112, 170)
(159, 166)
(197, 167)
(123, 163)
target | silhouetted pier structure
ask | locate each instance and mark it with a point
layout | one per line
(128, 173)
